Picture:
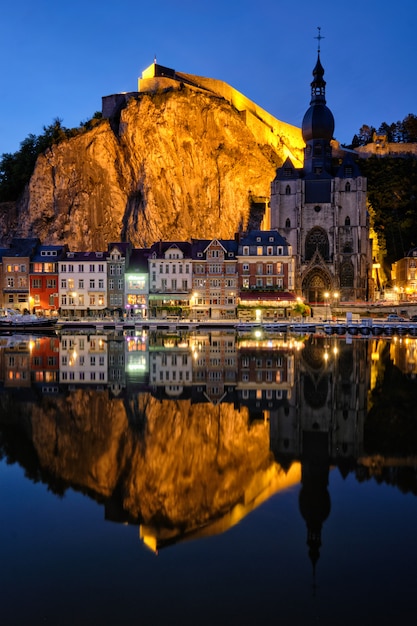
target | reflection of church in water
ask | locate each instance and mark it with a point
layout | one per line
(322, 425)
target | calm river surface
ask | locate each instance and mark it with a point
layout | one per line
(207, 479)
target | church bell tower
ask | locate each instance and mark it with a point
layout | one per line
(321, 208)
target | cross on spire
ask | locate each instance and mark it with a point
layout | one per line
(319, 38)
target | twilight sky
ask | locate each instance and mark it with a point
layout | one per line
(59, 58)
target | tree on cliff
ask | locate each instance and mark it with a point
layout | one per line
(16, 169)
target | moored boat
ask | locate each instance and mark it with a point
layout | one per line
(13, 320)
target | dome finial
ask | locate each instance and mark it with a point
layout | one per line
(319, 38)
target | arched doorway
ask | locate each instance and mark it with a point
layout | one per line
(315, 285)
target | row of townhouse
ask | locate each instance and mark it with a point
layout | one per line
(250, 275)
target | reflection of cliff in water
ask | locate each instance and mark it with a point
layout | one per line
(171, 465)
(186, 468)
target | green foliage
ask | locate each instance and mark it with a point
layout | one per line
(301, 309)
(16, 169)
(392, 195)
(404, 131)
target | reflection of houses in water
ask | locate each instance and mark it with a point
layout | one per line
(265, 374)
(137, 359)
(16, 363)
(403, 352)
(214, 366)
(83, 359)
(170, 364)
(116, 348)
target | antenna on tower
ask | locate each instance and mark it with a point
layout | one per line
(154, 59)
(319, 38)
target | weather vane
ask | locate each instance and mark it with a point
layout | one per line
(319, 38)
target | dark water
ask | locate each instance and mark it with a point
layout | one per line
(208, 480)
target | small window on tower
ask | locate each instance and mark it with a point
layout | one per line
(317, 208)
(347, 187)
(287, 190)
(288, 223)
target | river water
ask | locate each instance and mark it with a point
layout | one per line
(207, 478)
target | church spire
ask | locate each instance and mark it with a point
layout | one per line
(318, 85)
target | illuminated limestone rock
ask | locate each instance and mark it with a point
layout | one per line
(173, 163)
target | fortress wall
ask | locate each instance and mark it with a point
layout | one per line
(264, 134)
(111, 104)
(400, 149)
(264, 126)
(157, 82)
(242, 103)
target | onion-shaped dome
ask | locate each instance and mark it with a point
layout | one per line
(318, 123)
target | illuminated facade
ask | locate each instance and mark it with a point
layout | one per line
(404, 276)
(83, 283)
(170, 278)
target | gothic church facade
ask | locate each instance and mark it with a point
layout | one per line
(321, 210)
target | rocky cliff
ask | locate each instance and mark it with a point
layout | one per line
(176, 163)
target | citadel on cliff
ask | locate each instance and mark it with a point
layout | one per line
(312, 238)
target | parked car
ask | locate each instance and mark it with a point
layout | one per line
(413, 318)
(393, 317)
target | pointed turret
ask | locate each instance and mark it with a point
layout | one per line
(318, 125)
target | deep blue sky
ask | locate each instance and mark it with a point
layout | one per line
(59, 58)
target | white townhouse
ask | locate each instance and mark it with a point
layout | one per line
(82, 283)
(170, 278)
